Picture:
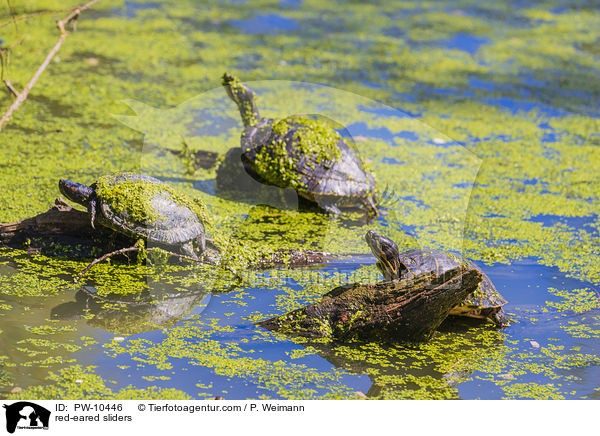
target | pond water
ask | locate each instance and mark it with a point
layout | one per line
(482, 132)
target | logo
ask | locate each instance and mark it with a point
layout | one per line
(26, 415)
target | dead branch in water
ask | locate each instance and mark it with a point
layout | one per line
(5, 61)
(136, 249)
(35, 14)
(22, 96)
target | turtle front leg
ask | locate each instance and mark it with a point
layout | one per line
(499, 318)
(188, 250)
(92, 212)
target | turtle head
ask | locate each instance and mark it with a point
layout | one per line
(76, 192)
(244, 97)
(387, 253)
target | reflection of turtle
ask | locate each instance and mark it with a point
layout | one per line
(140, 206)
(305, 154)
(484, 303)
(132, 313)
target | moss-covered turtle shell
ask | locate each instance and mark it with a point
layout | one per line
(142, 206)
(303, 153)
(311, 157)
(485, 302)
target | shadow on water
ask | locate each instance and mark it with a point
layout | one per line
(56, 107)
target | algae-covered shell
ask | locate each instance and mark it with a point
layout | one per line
(304, 153)
(145, 206)
(141, 206)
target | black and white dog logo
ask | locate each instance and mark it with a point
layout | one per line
(26, 415)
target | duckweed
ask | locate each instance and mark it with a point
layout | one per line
(492, 153)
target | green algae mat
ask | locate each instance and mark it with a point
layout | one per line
(479, 120)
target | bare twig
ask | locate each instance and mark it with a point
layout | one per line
(129, 249)
(63, 35)
(11, 88)
(23, 95)
(35, 14)
(16, 44)
(12, 12)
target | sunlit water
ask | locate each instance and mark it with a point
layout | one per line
(524, 283)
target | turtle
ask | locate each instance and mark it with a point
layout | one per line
(142, 207)
(485, 303)
(303, 153)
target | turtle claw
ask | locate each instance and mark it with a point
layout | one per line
(92, 210)
(331, 209)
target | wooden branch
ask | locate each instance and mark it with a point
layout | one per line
(70, 232)
(61, 219)
(35, 14)
(63, 35)
(61, 231)
(406, 310)
(11, 88)
(136, 249)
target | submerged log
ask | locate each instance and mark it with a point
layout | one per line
(407, 310)
(65, 231)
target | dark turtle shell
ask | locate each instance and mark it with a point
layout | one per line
(303, 153)
(142, 206)
(486, 302)
(332, 176)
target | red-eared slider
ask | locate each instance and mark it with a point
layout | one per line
(484, 303)
(305, 154)
(140, 206)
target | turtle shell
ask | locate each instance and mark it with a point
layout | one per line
(484, 302)
(311, 157)
(142, 206)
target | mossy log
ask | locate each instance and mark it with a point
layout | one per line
(61, 230)
(65, 231)
(407, 310)
(60, 219)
